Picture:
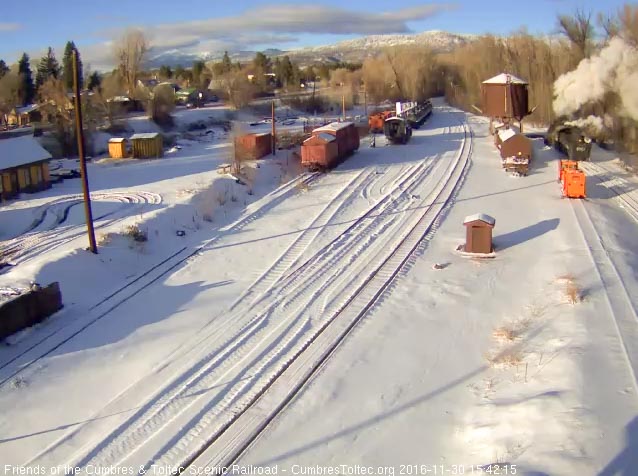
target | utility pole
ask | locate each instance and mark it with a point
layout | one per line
(365, 101)
(80, 135)
(274, 140)
(343, 106)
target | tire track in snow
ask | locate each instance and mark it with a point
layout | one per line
(229, 358)
(242, 430)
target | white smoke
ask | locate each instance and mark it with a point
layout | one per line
(593, 124)
(613, 69)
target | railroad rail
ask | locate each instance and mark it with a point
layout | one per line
(628, 199)
(224, 447)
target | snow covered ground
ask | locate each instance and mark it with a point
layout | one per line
(528, 358)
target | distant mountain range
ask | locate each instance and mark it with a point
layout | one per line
(355, 50)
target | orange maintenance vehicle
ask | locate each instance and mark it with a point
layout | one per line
(572, 179)
(376, 121)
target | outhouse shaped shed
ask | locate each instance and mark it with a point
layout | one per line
(147, 145)
(117, 148)
(479, 233)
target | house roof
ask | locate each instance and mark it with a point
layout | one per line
(479, 217)
(19, 151)
(334, 126)
(27, 109)
(146, 135)
(505, 78)
(506, 134)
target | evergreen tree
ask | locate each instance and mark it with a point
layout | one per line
(48, 68)
(4, 69)
(67, 64)
(27, 88)
(165, 72)
(227, 64)
(198, 69)
(179, 72)
(95, 81)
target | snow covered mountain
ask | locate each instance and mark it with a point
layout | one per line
(348, 50)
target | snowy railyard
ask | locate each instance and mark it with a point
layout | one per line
(327, 319)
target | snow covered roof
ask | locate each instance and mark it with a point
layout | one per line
(323, 136)
(505, 78)
(334, 126)
(21, 151)
(27, 109)
(394, 118)
(145, 135)
(479, 217)
(117, 140)
(506, 134)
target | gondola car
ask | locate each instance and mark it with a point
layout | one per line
(397, 130)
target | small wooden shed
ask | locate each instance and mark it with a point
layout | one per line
(24, 167)
(479, 233)
(117, 148)
(148, 145)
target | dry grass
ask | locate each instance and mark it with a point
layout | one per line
(571, 290)
(505, 334)
(136, 233)
(505, 360)
(104, 239)
(302, 186)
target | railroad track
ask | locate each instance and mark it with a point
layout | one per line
(627, 198)
(621, 306)
(59, 334)
(222, 357)
(224, 447)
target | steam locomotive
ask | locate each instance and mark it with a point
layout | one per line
(569, 140)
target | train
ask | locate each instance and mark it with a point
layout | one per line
(377, 119)
(397, 130)
(329, 145)
(569, 140)
(419, 113)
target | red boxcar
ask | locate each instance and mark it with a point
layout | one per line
(319, 151)
(254, 146)
(346, 135)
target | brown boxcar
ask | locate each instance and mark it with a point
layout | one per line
(346, 135)
(320, 151)
(254, 146)
(505, 96)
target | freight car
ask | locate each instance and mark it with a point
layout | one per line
(329, 145)
(515, 150)
(397, 130)
(570, 140)
(417, 115)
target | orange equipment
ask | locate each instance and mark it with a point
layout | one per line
(376, 121)
(572, 179)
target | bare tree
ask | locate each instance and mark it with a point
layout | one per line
(130, 52)
(239, 90)
(609, 24)
(103, 96)
(58, 106)
(579, 30)
(628, 19)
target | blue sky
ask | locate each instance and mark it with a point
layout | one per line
(208, 25)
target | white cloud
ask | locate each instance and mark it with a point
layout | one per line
(4, 27)
(269, 25)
